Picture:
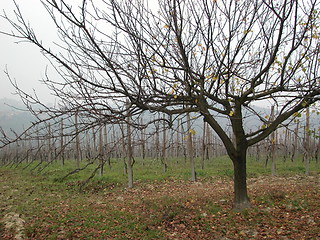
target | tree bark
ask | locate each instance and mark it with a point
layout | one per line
(241, 199)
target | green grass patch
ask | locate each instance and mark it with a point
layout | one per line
(152, 170)
(53, 212)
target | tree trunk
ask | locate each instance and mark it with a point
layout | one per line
(241, 199)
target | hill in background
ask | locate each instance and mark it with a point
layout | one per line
(13, 115)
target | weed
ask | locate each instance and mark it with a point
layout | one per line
(213, 208)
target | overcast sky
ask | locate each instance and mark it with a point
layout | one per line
(23, 61)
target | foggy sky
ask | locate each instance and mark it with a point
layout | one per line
(23, 60)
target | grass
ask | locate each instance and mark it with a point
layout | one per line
(52, 212)
(152, 170)
(162, 205)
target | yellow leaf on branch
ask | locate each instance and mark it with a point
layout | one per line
(192, 131)
(304, 104)
(297, 114)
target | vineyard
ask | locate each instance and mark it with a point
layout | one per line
(188, 142)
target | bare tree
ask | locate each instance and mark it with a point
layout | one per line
(214, 58)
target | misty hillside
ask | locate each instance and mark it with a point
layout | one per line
(8, 105)
(12, 115)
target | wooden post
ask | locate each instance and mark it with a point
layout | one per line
(61, 144)
(157, 148)
(209, 143)
(178, 142)
(164, 146)
(203, 145)
(190, 150)
(94, 148)
(183, 147)
(101, 153)
(77, 156)
(273, 142)
(123, 154)
(49, 143)
(87, 144)
(142, 143)
(130, 151)
(296, 135)
(106, 149)
(318, 149)
(307, 143)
